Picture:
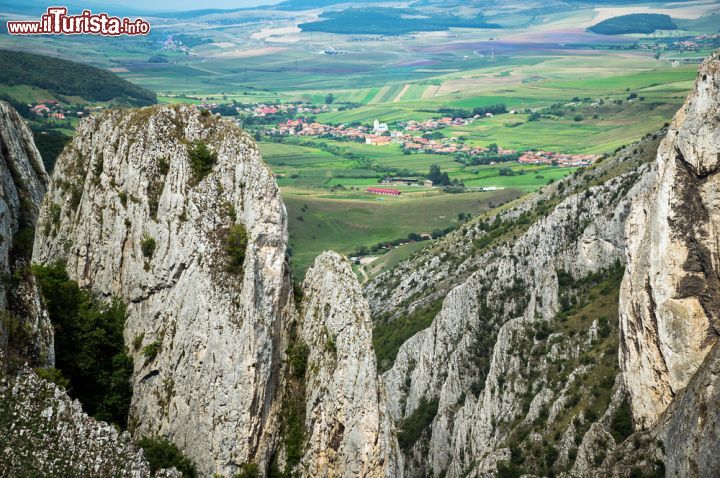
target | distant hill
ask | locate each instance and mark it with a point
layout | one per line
(67, 78)
(290, 5)
(389, 21)
(634, 23)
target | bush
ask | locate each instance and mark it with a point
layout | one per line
(202, 160)
(298, 353)
(161, 453)
(414, 425)
(151, 350)
(249, 470)
(621, 425)
(89, 345)
(51, 374)
(235, 247)
(148, 245)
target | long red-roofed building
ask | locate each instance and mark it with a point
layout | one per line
(384, 192)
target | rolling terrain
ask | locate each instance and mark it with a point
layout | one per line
(571, 90)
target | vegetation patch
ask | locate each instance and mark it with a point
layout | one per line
(151, 350)
(18, 334)
(634, 23)
(148, 246)
(202, 160)
(389, 336)
(162, 453)
(621, 425)
(50, 144)
(420, 420)
(292, 415)
(70, 79)
(585, 300)
(235, 248)
(89, 345)
(390, 21)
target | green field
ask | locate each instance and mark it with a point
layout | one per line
(390, 259)
(345, 221)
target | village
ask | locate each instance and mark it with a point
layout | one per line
(54, 110)
(263, 110)
(381, 135)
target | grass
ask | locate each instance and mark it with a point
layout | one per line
(347, 220)
(390, 259)
(404, 78)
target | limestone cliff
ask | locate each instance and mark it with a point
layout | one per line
(350, 433)
(173, 211)
(42, 431)
(670, 300)
(22, 186)
(154, 206)
(45, 433)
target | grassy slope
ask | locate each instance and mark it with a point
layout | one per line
(346, 221)
(63, 78)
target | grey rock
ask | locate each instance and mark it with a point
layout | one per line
(207, 342)
(350, 433)
(670, 297)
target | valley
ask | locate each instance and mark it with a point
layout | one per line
(570, 92)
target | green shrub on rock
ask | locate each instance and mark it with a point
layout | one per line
(202, 159)
(235, 247)
(161, 453)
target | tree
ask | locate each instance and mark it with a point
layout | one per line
(90, 350)
(437, 177)
(329, 98)
(235, 247)
(202, 160)
(161, 453)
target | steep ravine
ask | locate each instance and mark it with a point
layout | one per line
(518, 372)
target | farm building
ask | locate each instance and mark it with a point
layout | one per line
(405, 181)
(383, 191)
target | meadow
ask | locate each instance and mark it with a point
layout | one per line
(344, 221)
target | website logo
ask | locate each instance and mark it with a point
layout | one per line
(56, 21)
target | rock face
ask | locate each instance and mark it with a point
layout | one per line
(349, 431)
(481, 362)
(691, 429)
(45, 433)
(500, 372)
(471, 361)
(670, 299)
(42, 431)
(22, 186)
(144, 205)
